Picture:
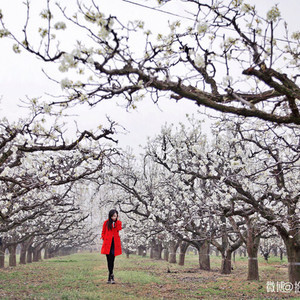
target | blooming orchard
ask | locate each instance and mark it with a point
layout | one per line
(224, 191)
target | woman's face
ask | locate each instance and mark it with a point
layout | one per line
(114, 217)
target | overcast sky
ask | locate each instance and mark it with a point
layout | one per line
(21, 76)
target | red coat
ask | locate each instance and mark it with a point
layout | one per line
(107, 236)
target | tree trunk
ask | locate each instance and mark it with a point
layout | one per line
(154, 253)
(39, 254)
(226, 262)
(166, 254)
(151, 252)
(29, 255)
(281, 254)
(159, 250)
(12, 255)
(204, 258)
(183, 248)
(252, 250)
(23, 253)
(35, 255)
(2, 256)
(172, 251)
(253, 273)
(293, 255)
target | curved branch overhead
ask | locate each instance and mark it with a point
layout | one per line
(230, 58)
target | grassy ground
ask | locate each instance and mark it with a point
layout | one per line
(84, 275)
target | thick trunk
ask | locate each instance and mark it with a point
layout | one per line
(159, 250)
(23, 254)
(252, 250)
(39, 254)
(204, 257)
(181, 258)
(166, 254)
(183, 248)
(253, 273)
(29, 255)
(155, 250)
(12, 255)
(35, 255)
(226, 262)
(172, 257)
(172, 251)
(151, 252)
(293, 255)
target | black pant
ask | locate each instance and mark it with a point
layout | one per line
(111, 258)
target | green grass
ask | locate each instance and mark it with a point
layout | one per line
(139, 277)
(84, 275)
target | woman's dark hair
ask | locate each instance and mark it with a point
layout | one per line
(110, 221)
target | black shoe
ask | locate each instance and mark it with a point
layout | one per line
(112, 279)
(109, 279)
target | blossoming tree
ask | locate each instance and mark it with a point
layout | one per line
(228, 57)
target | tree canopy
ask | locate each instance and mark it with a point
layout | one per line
(229, 58)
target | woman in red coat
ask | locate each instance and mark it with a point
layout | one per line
(111, 241)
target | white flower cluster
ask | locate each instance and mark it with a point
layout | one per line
(199, 61)
(202, 28)
(273, 14)
(60, 26)
(65, 83)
